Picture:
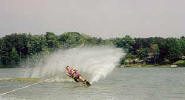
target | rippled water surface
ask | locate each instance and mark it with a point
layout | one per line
(121, 84)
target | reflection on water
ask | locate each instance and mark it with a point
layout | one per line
(122, 84)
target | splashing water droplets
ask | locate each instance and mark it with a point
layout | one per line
(93, 63)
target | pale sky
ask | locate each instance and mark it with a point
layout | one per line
(101, 18)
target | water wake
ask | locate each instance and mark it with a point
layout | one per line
(93, 63)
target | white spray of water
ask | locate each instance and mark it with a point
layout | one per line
(93, 63)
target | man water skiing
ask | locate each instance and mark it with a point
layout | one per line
(73, 73)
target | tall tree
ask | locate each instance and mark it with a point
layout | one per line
(51, 40)
(174, 49)
(182, 45)
(154, 52)
(142, 53)
(14, 56)
(126, 42)
(71, 39)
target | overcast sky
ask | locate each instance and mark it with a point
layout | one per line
(104, 18)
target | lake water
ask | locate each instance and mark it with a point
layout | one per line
(121, 84)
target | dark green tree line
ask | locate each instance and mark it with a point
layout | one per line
(154, 50)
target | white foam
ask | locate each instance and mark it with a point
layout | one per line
(93, 63)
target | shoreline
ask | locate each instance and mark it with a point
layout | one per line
(149, 66)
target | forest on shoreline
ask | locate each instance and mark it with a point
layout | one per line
(15, 48)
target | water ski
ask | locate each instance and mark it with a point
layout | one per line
(87, 83)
